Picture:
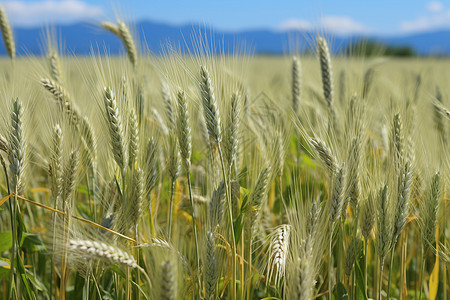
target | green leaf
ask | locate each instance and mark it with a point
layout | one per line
(24, 277)
(4, 268)
(340, 292)
(31, 242)
(238, 225)
(5, 240)
(359, 267)
(118, 271)
(37, 283)
(82, 189)
(140, 289)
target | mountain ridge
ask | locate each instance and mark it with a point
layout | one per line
(80, 38)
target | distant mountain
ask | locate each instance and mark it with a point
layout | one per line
(81, 38)
(427, 43)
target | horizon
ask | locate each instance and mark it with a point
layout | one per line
(347, 18)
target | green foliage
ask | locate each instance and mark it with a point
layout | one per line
(369, 48)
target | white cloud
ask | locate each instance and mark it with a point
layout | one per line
(295, 24)
(426, 23)
(22, 13)
(435, 6)
(342, 25)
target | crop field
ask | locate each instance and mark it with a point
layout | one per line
(207, 176)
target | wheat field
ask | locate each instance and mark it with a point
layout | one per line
(207, 176)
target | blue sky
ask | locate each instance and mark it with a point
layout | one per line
(382, 17)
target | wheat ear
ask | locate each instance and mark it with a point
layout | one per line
(56, 165)
(327, 77)
(402, 203)
(128, 42)
(231, 135)
(135, 199)
(111, 28)
(168, 105)
(210, 109)
(367, 81)
(183, 131)
(115, 128)
(133, 138)
(102, 251)
(439, 111)
(384, 231)
(279, 247)
(259, 193)
(69, 175)
(325, 155)
(168, 282)
(216, 206)
(397, 142)
(352, 181)
(211, 266)
(150, 167)
(63, 98)
(296, 83)
(352, 255)
(17, 146)
(429, 209)
(7, 34)
(55, 67)
(337, 197)
(342, 86)
(368, 214)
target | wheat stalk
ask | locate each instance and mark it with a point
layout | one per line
(111, 28)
